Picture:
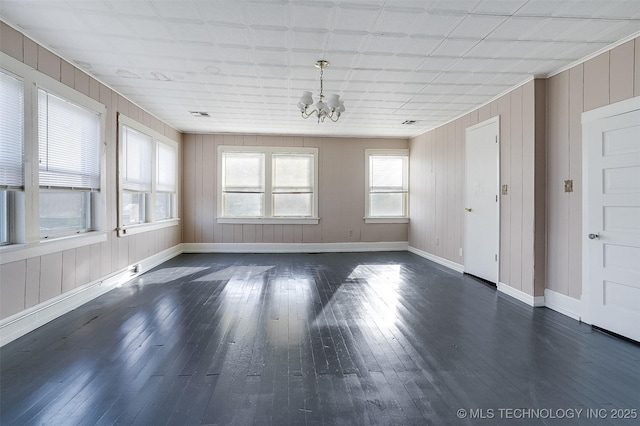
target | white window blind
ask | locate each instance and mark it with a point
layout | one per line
(11, 131)
(69, 144)
(388, 185)
(293, 185)
(138, 157)
(243, 184)
(166, 168)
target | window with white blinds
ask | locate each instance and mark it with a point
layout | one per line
(148, 176)
(268, 183)
(68, 144)
(11, 131)
(166, 186)
(137, 159)
(387, 183)
(68, 164)
(293, 184)
(166, 167)
(243, 184)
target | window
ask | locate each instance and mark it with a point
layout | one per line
(267, 185)
(387, 180)
(11, 147)
(52, 151)
(69, 164)
(148, 178)
(137, 157)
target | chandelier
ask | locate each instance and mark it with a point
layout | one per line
(331, 109)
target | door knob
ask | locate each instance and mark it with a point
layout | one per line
(594, 236)
(467, 209)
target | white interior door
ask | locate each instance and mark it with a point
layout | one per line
(612, 222)
(482, 226)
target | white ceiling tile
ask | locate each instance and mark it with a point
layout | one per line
(477, 26)
(385, 42)
(271, 38)
(227, 34)
(472, 65)
(454, 6)
(437, 63)
(135, 8)
(419, 45)
(234, 53)
(434, 24)
(179, 9)
(397, 20)
(353, 18)
(499, 7)
(272, 14)
(145, 27)
(374, 60)
(312, 14)
(455, 47)
(347, 41)
(304, 39)
(188, 31)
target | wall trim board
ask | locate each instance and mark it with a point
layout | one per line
(535, 301)
(293, 247)
(437, 259)
(30, 319)
(563, 304)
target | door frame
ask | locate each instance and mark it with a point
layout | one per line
(496, 122)
(588, 117)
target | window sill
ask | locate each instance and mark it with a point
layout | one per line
(269, 220)
(386, 220)
(16, 252)
(126, 231)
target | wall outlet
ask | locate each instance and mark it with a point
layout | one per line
(460, 252)
(437, 241)
(351, 232)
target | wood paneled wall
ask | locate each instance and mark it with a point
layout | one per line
(26, 283)
(437, 187)
(341, 187)
(608, 78)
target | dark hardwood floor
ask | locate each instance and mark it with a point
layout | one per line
(358, 338)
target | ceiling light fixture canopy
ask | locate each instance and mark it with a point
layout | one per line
(332, 109)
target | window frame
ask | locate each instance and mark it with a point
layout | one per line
(267, 217)
(23, 210)
(368, 218)
(150, 222)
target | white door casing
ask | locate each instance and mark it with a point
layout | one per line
(482, 207)
(611, 218)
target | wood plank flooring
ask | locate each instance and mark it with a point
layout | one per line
(320, 339)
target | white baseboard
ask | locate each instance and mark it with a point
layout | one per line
(293, 247)
(535, 301)
(444, 262)
(564, 304)
(28, 320)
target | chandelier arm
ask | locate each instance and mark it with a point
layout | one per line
(306, 114)
(331, 117)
